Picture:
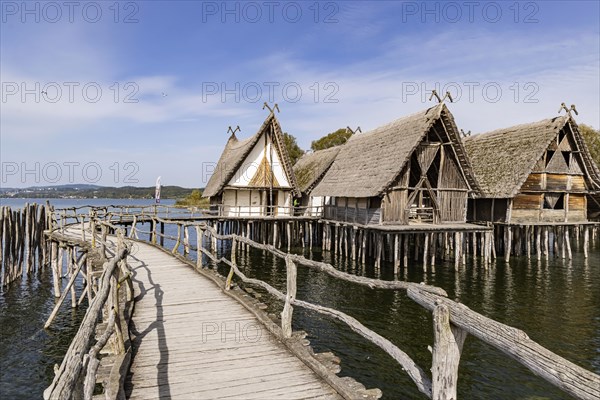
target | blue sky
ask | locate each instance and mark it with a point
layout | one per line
(149, 88)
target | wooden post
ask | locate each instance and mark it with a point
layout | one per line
(396, 255)
(231, 270)
(447, 348)
(508, 244)
(528, 241)
(568, 243)
(290, 296)
(199, 235)
(433, 240)
(174, 251)
(71, 267)
(425, 251)
(457, 250)
(289, 236)
(538, 242)
(586, 241)
(186, 241)
(55, 268)
(405, 255)
(153, 233)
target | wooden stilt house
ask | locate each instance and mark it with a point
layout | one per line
(414, 169)
(254, 177)
(309, 171)
(533, 173)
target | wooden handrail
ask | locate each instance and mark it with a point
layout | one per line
(452, 321)
(79, 359)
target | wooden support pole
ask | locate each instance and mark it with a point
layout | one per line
(406, 249)
(289, 236)
(586, 241)
(447, 349)
(457, 250)
(396, 255)
(425, 251)
(290, 296)
(64, 294)
(232, 268)
(568, 242)
(508, 244)
(186, 241)
(546, 243)
(199, 234)
(71, 267)
(55, 269)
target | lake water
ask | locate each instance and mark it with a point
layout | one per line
(556, 302)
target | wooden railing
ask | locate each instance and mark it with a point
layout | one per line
(452, 321)
(364, 216)
(225, 210)
(76, 376)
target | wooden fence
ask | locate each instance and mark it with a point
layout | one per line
(76, 376)
(452, 321)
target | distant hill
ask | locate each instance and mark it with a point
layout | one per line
(85, 191)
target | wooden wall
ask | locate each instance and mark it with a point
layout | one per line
(555, 191)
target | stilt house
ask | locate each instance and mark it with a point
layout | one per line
(254, 177)
(414, 169)
(533, 173)
(309, 171)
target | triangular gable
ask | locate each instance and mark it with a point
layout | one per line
(264, 176)
(575, 167)
(557, 164)
(565, 144)
(235, 157)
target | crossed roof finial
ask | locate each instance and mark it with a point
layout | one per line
(348, 129)
(233, 131)
(275, 107)
(437, 96)
(563, 106)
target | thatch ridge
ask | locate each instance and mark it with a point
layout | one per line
(503, 159)
(311, 167)
(235, 153)
(370, 162)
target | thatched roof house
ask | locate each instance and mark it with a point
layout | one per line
(311, 168)
(414, 168)
(537, 172)
(309, 171)
(254, 176)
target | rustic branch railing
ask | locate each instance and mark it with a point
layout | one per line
(266, 211)
(452, 321)
(76, 376)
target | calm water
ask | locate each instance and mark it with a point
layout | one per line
(557, 303)
(27, 351)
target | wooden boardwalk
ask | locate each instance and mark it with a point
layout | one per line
(191, 340)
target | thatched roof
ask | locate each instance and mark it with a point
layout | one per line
(311, 167)
(503, 159)
(370, 162)
(236, 151)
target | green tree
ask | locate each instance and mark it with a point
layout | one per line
(592, 140)
(336, 138)
(194, 199)
(294, 151)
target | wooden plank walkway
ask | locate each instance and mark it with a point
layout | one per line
(191, 340)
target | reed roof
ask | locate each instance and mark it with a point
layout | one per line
(503, 159)
(236, 151)
(311, 167)
(370, 162)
